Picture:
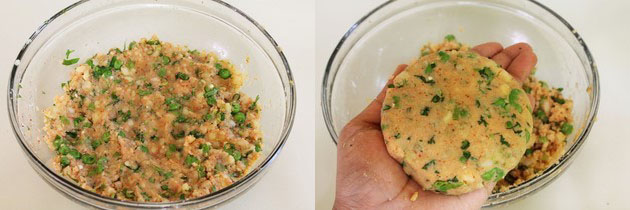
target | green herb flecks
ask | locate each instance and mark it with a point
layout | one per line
(69, 61)
(429, 68)
(428, 164)
(444, 56)
(443, 186)
(566, 128)
(425, 111)
(396, 101)
(459, 113)
(449, 37)
(495, 173)
(503, 142)
(429, 80)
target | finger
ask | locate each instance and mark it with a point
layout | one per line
(488, 49)
(522, 65)
(505, 57)
(372, 113)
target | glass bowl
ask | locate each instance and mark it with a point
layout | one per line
(98, 25)
(393, 33)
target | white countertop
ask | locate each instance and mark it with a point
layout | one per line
(598, 178)
(289, 182)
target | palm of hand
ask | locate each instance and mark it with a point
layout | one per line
(368, 178)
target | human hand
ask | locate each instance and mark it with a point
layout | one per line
(369, 178)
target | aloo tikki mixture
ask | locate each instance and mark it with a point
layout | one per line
(153, 122)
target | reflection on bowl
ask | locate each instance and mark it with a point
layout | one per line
(393, 33)
(97, 25)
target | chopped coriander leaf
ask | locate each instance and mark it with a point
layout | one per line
(527, 89)
(386, 107)
(487, 74)
(444, 56)
(502, 140)
(425, 111)
(429, 81)
(465, 144)
(68, 52)
(115, 63)
(540, 114)
(449, 37)
(482, 121)
(132, 44)
(495, 173)
(95, 143)
(196, 134)
(153, 42)
(68, 62)
(130, 64)
(75, 153)
(257, 148)
(72, 134)
(443, 186)
(88, 159)
(465, 156)
(201, 171)
(64, 161)
(432, 140)
(558, 100)
(77, 121)
(64, 120)
(105, 137)
(182, 76)
(144, 149)
(253, 105)
(172, 104)
(145, 92)
(162, 72)
(205, 148)
(122, 134)
(566, 128)
(190, 159)
(429, 68)
(436, 98)
(513, 97)
(459, 113)
(528, 152)
(500, 102)
(396, 101)
(428, 164)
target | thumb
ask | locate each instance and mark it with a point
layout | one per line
(371, 115)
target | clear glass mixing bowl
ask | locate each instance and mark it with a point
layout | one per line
(393, 33)
(98, 25)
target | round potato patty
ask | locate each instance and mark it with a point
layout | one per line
(456, 121)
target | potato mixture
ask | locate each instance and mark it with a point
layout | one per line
(445, 162)
(552, 124)
(456, 120)
(153, 122)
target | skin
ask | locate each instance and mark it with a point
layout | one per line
(368, 178)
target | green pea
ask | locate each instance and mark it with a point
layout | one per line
(240, 117)
(224, 73)
(64, 161)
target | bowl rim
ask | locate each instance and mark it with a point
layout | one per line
(560, 165)
(289, 116)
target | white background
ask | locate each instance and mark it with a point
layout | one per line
(289, 182)
(598, 178)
